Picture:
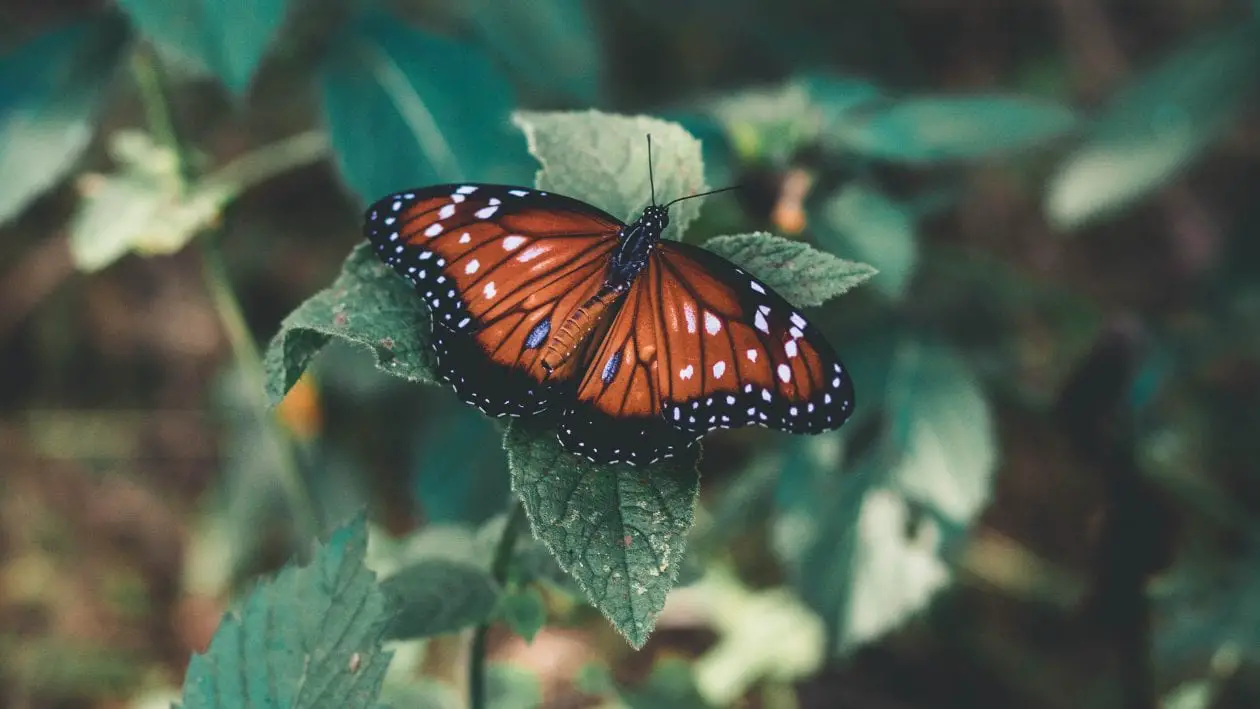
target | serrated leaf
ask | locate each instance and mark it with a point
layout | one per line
(804, 275)
(50, 91)
(368, 306)
(602, 159)
(1156, 126)
(946, 128)
(619, 531)
(228, 37)
(437, 597)
(552, 44)
(865, 548)
(312, 637)
(401, 114)
(862, 224)
(524, 611)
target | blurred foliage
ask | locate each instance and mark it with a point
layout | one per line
(1046, 497)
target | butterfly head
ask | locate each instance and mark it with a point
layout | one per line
(655, 218)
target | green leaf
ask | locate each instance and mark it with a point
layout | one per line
(619, 531)
(602, 159)
(860, 223)
(762, 635)
(144, 208)
(312, 637)
(550, 43)
(437, 597)
(406, 109)
(50, 91)
(368, 306)
(865, 548)
(937, 129)
(228, 37)
(524, 611)
(804, 275)
(1156, 126)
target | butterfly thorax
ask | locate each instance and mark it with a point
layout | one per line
(634, 245)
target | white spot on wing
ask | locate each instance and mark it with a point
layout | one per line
(511, 242)
(489, 291)
(690, 314)
(719, 368)
(686, 372)
(757, 287)
(465, 238)
(752, 355)
(466, 189)
(712, 324)
(760, 322)
(785, 373)
(486, 212)
(532, 253)
(790, 348)
(518, 193)
(472, 266)
(433, 230)
(446, 212)
(800, 321)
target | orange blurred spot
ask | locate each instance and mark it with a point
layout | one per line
(300, 411)
(789, 212)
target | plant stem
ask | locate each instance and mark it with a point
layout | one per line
(157, 110)
(498, 570)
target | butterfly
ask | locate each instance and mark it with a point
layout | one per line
(542, 303)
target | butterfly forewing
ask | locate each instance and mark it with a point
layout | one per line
(501, 268)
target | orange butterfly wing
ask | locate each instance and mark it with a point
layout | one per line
(700, 344)
(501, 269)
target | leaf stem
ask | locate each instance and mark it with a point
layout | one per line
(157, 108)
(499, 567)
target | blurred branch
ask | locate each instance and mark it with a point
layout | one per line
(247, 170)
(516, 522)
(1135, 538)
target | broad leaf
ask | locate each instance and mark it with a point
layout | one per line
(1157, 126)
(408, 109)
(866, 547)
(862, 224)
(50, 90)
(602, 159)
(619, 531)
(524, 611)
(804, 275)
(945, 128)
(368, 306)
(552, 44)
(228, 37)
(312, 637)
(437, 597)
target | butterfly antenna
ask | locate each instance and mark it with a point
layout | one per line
(651, 179)
(703, 194)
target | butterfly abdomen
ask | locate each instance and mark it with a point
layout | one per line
(577, 327)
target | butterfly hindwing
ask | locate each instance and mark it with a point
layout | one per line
(701, 344)
(500, 268)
